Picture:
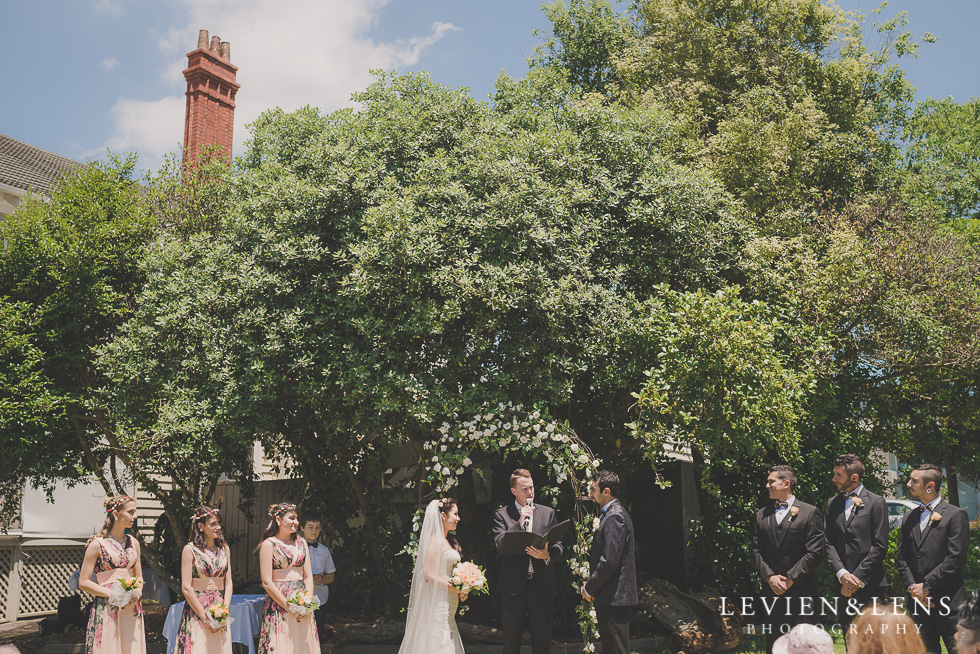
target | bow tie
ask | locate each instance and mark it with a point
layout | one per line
(314, 544)
(925, 507)
(851, 494)
(779, 504)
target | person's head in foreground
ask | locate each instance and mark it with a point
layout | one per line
(891, 633)
(804, 639)
(968, 627)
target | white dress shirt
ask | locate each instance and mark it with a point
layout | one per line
(848, 509)
(924, 517)
(783, 511)
(321, 562)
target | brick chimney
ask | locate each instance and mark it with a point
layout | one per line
(211, 89)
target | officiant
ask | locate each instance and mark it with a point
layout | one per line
(527, 581)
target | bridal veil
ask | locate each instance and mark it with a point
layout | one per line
(430, 590)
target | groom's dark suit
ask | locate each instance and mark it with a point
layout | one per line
(792, 548)
(523, 593)
(935, 556)
(612, 577)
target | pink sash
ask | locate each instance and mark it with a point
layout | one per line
(111, 575)
(289, 574)
(201, 584)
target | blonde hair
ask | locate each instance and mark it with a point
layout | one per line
(891, 633)
(520, 473)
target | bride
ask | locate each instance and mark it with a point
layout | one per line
(431, 624)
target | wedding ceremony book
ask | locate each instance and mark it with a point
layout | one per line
(515, 542)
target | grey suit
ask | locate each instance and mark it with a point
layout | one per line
(612, 578)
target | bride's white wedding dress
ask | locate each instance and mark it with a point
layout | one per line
(430, 627)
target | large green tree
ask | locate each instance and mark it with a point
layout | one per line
(71, 273)
(425, 256)
(783, 101)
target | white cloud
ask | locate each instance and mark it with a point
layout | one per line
(109, 63)
(289, 54)
(151, 127)
(113, 7)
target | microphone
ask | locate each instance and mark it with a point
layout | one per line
(527, 520)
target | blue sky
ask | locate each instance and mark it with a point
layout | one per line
(87, 75)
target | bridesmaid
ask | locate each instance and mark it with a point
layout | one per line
(284, 563)
(205, 579)
(111, 555)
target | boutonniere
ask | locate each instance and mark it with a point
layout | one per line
(793, 511)
(935, 517)
(595, 524)
(858, 502)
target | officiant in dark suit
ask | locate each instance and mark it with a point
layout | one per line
(932, 549)
(527, 581)
(787, 546)
(856, 535)
(612, 566)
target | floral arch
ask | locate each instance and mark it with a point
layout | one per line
(508, 430)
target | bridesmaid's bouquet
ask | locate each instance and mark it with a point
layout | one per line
(218, 615)
(469, 578)
(302, 602)
(124, 590)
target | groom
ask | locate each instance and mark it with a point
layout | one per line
(612, 566)
(527, 581)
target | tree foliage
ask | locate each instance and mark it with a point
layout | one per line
(783, 101)
(943, 159)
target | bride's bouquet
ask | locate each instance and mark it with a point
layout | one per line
(302, 603)
(469, 578)
(124, 590)
(218, 615)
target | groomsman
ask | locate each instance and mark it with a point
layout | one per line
(527, 581)
(612, 566)
(932, 549)
(787, 547)
(856, 532)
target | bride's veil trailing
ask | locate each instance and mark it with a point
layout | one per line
(429, 585)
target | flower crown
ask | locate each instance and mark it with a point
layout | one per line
(200, 515)
(282, 510)
(118, 504)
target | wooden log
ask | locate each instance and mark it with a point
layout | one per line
(694, 621)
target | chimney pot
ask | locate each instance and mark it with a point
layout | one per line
(211, 89)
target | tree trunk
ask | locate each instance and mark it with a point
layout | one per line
(953, 488)
(362, 501)
(695, 621)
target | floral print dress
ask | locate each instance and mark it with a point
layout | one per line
(209, 570)
(112, 630)
(281, 632)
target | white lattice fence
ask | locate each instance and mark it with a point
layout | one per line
(6, 569)
(44, 577)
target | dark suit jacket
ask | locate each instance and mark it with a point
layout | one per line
(860, 544)
(612, 562)
(792, 549)
(513, 568)
(936, 555)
